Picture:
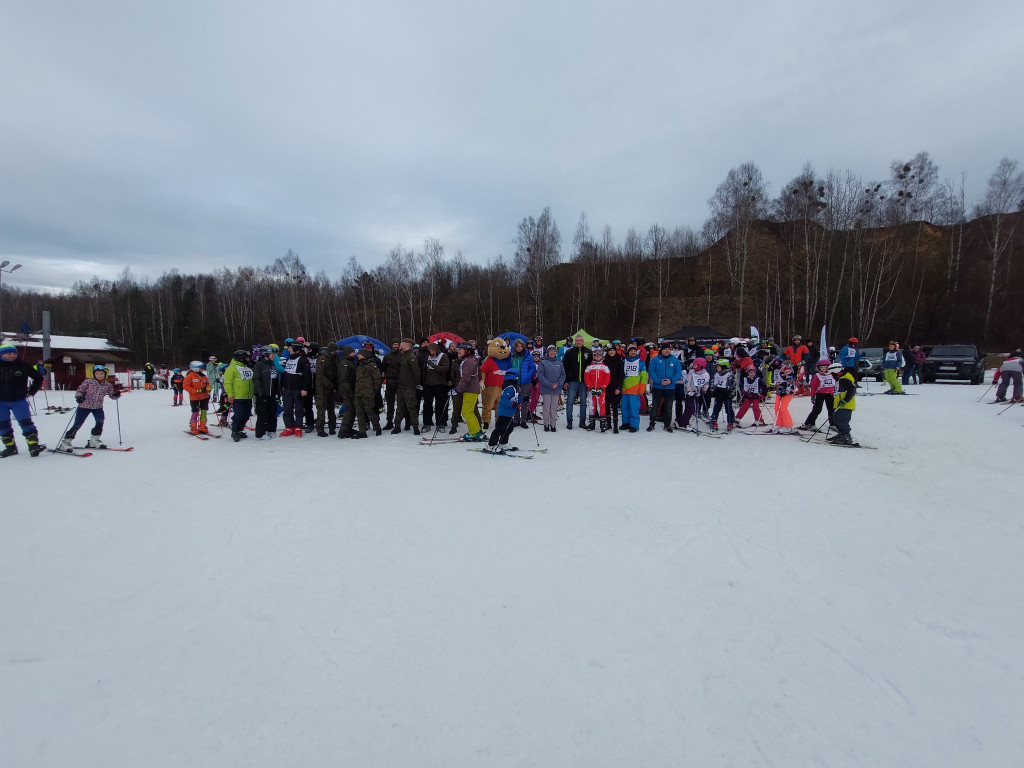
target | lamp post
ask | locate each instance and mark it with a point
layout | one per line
(3, 268)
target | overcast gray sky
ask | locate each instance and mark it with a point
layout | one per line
(196, 135)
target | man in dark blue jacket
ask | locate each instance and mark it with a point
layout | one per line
(663, 371)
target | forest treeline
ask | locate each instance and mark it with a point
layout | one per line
(904, 258)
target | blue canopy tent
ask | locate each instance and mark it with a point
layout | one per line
(358, 340)
(511, 337)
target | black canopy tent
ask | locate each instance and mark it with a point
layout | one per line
(704, 334)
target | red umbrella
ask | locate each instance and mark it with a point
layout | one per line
(447, 336)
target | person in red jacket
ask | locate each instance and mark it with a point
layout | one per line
(597, 377)
(795, 353)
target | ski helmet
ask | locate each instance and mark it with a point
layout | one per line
(700, 363)
(835, 368)
(824, 361)
(854, 340)
(177, 370)
(273, 347)
(597, 352)
(722, 361)
(239, 355)
(195, 365)
(786, 367)
(99, 369)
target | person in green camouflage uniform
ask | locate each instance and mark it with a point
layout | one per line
(408, 380)
(347, 389)
(368, 381)
(326, 388)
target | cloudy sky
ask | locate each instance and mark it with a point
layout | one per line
(196, 135)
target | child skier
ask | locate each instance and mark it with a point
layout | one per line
(178, 387)
(15, 390)
(596, 378)
(89, 396)
(754, 391)
(198, 388)
(698, 382)
(508, 406)
(723, 386)
(845, 404)
(785, 388)
(823, 390)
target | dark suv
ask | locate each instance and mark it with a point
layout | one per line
(954, 361)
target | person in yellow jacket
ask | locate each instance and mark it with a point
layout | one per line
(238, 387)
(845, 404)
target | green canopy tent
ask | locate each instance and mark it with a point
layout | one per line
(588, 340)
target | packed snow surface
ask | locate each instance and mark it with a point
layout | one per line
(624, 600)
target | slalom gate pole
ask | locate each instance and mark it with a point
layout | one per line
(986, 391)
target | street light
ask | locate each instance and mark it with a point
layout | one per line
(3, 268)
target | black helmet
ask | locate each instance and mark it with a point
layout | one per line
(239, 354)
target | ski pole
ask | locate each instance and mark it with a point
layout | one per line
(1012, 403)
(816, 431)
(986, 391)
(117, 410)
(437, 421)
(535, 437)
(66, 426)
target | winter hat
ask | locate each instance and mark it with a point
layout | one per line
(332, 347)
(364, 353)
(7, 347)
(407, 340)
(666, 345)
(511, 373)
(550, 347)
(347, 350)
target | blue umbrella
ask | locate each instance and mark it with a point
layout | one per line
(512, 337)
(357, 341)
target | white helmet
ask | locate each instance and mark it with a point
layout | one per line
(835, 368)
(195, 365)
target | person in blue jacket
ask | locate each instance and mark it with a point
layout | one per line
(521, 361)
(663, 371)
(508, 406)
(849, 355)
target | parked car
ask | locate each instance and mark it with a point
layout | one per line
(870, 363)
(961, 362)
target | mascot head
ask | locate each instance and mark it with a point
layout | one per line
(498, 349)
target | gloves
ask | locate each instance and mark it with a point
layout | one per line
(116, 394)
(419, 386)
(453, 392)
(79, 399)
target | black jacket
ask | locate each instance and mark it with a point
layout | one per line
(617, 366)
(266, 382)
(14, 380)
(575, 362)
(302, 378)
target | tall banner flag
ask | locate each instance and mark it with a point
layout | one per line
(823, 349)
(754, 333)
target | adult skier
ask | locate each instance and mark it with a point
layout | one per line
(18, 382)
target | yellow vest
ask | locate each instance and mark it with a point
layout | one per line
(851, 404)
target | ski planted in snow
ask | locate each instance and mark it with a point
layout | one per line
(69, 453)
(508, 454)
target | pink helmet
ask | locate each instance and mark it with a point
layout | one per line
(824, 361)
(700, 363)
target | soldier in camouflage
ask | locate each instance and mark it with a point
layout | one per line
(408, 380)
(368, 381)
(326, 388)
(347, 389)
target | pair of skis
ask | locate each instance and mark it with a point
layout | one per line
(87, 451)
(201, 435)
(508, 452)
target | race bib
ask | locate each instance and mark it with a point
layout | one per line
(292, 365)
(244, 373)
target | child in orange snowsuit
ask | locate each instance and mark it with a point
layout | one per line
(597, 377)
(198, 388)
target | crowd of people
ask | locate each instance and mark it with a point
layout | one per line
(344, 391)
(440, 385)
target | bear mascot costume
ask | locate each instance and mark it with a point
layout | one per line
(492, 376)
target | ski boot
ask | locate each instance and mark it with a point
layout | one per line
(202, 428)
(604, 424)
(64, 446)
(476, 437)
(95, 442)
(730, 428)
(34, 446)
(615, 427)
(10, 449)
(714, 426)
(842, 440)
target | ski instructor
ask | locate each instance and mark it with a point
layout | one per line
(15, 390)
